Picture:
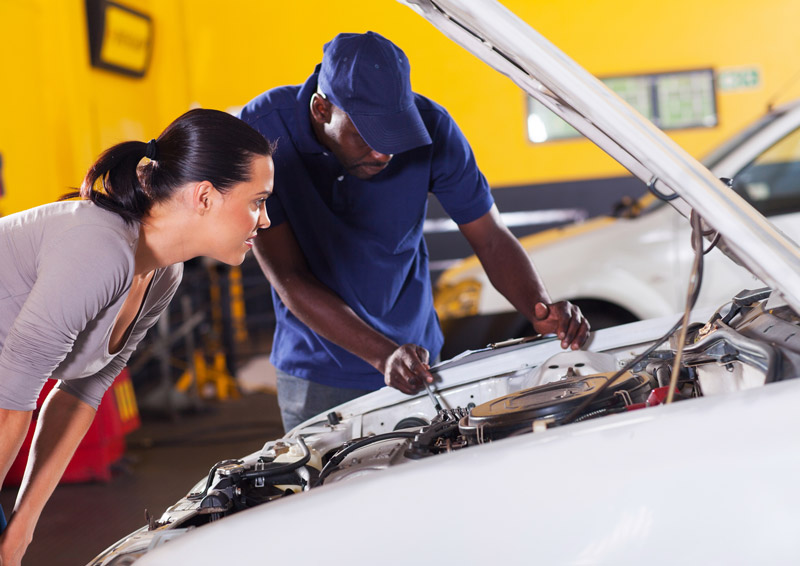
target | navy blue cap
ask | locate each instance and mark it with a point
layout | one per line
(368, 77)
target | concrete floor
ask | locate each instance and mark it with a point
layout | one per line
(163, 461)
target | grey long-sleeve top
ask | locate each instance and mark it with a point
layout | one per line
(65, 271)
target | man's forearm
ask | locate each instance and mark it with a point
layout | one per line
(506, 263)
(328, 315)
(520, 284)
(404, 367)
(512, 273)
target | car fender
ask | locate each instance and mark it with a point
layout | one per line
(714, 502)
(572, 266)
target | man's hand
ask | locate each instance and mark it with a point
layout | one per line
(407, 369)
(563, 319)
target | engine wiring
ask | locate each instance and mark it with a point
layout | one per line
(337, 458)
(210, 479)
(272, 470)
(692, 293)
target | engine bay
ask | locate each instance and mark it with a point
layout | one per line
(502, 391)
(748, 343)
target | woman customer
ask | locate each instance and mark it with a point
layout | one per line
(82, 281)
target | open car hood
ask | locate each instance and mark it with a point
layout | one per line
(501, 39)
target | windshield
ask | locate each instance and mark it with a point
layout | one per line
(718, 154)
(753, 189)
(771, 181)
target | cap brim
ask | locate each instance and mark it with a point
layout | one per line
(392, 133)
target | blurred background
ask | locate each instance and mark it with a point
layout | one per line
(78, 76)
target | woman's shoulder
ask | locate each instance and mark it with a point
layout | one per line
(69, 226)
(72, 214)
(88, 214)
(86, 221)
(101, 242)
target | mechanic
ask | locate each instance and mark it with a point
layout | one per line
(358, 154)
(83, 281)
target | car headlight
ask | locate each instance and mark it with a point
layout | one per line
(457, 300)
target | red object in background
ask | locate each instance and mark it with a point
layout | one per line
(657, 397)
(104, 443)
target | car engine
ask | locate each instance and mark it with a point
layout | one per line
(749, 342)
(748, 346)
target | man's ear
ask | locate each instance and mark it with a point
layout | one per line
(321, 109)
(203, 197)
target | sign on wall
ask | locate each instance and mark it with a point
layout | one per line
(672, 101)
(120, 38)
(739, 78)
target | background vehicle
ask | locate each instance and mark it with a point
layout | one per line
(529, 451)
(635, 266)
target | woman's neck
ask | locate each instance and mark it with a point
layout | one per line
(164, 239)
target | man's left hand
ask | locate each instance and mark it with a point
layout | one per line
(563, 319)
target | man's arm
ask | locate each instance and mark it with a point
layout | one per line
(512, 273)
(63, 422)
(322, 310)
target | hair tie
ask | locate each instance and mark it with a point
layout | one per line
(151, 152)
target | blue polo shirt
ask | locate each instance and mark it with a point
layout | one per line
(362, 238)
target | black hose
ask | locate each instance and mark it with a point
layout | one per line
(337, 458)
(580, 408)
(279, 469)
(210, 479)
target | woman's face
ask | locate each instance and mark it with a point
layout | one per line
(241, 213)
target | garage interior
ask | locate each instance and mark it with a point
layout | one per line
(200, 388)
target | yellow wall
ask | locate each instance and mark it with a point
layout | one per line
(57, 112)
(274, 43)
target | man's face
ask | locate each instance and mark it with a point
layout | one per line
(341, 137)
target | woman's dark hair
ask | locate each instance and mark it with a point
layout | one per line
(201, 145)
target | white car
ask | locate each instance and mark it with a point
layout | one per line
(667, 441)
(635, 266)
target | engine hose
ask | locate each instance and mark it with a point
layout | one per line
(580, 408)
(337, 458)
(275, 470)
(210, 479)
(279, 469)
(693, 291)
(429, 434)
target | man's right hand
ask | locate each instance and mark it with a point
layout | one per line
(407, 369)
